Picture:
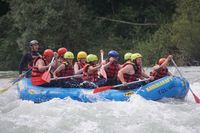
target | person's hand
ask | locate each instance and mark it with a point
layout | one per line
(101, 51)
(112, 59)
(55, 77)
(125, 83)
(151, 78)
(170, 57)
(51, 64)
(55, 54)
(20, 76)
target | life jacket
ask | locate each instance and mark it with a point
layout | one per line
(138, 70)
(80, 65)
(112, 70)
(34, 55)
(35, 71)
(129, 77)
(36, 75)
(157, 74)
(93, 77)
(68, 71)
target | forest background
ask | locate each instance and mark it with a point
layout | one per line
(154, 28)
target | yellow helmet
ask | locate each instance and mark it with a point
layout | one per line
(81, 55)
(135, 56)
(127, 56)
(69, 55)
(91, 58)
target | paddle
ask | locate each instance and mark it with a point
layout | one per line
(15, 81)
(104, 88)
(46, 75)
(102, 70)
(197, 100)
(19, 78)
(73, 76)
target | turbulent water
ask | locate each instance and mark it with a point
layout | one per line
(138, 115)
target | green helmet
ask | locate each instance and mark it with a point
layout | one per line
(91, 58)
(127, 56)
(69, 55)
(135, 56)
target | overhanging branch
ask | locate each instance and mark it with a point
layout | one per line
(125, 22)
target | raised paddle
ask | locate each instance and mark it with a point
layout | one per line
(197, 100)
(15, 81)
(46, 75)
(102, 70)
(104, 88)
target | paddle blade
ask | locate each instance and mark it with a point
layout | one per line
(2, 90)
(103, 88)
(197, 100)
(46, 76)
(103, 72)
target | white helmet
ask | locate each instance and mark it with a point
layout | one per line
(33, 42)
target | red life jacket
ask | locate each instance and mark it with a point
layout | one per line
(112, 70)
(157, 74)
(34, 56)
(68, 71)
(36, 75)
(93, 77)
(128, 77)
(80, 65)
(35, 72)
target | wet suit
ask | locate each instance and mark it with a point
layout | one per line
(27, 61)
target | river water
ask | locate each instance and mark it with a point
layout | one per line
(136, 116)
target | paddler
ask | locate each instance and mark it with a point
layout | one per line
(81, 62)
(64, 70)
(132, 70)
(61, 52)
(90, 72)
(111, 67)
(28, 58)
(160, 69)
(40, 65)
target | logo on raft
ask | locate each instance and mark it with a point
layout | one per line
(128, 94)
(163, 82)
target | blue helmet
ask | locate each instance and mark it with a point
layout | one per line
(113, 53)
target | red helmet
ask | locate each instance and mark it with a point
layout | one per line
(161, 60)
(61, 51)
(48, 52)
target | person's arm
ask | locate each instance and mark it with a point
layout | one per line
(92, 69)
(41, 65)
(111, 60)
(164, 64)
(126, 70)
(24, 62)
(76, 70)
(60, 68)
(106, 65)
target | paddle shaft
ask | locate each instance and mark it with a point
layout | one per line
(102, 70)
(195, 97)
(176, 67)
(130, 83)
(73, 76)
(50, 63)
(101, 57)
